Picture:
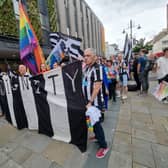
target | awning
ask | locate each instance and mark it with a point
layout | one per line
(159, 54)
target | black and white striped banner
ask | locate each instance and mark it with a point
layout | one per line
(69, 44)
(51, 103)
(127, 49)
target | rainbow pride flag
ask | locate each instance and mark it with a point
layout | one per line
(30, 51)
(161, 91)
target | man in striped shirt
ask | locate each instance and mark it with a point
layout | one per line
(92, 89)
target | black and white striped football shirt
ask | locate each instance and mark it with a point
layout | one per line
(90, 76)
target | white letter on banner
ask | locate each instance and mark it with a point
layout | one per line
(73, 80)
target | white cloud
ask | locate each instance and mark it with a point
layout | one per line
(115, 16)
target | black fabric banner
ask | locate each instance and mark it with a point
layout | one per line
(19, 111)
(72, 77)
(43, 111)
(3, 101)
(51, 103)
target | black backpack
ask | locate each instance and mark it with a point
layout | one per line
(149, 65)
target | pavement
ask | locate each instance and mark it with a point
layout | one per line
(136, 132)
(141, 136)
(28, 149)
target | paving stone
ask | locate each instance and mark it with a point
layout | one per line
(20, 155)
(142, 153)
(164, 123)
(147, 135)
(161, 155)
(37, 161)
(8, 133)
(158, 126)
(55, 165)
(119, 160)
(124, 128)
(159, 112)
(11, 164)
(126, 111)
(135, 165)
(8, 147)
(161, 137)
(122, 148)
(76, 160)
(3, 158)
(122, 138)
(139, 108)
(125, 121)
(144, 118)
(142, 125)
(58, 152)
(3, 122)
(19, 140)
(36, 142)
(125, 116)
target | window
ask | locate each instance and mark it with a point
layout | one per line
(66, 3)
(165, 42)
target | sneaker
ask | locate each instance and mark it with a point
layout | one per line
(118, 93)
(165, 101)
(102, 152)
(124, 97)
(93, 139)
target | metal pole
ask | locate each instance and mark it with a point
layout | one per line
(131, 31)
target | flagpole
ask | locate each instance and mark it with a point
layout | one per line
(70, 58)
(131, 33)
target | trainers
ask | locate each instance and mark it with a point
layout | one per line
(118, 93)
(165, 101)
(93, 139)
(102, 152)
(124, 97)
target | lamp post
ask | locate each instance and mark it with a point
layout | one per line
(131, 26)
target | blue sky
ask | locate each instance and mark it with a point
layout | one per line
(116, 14)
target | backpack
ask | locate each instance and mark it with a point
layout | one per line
(149, 65)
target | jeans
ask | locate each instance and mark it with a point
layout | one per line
(112, 89)
(137, 81)
(143, 77)
(99, 135)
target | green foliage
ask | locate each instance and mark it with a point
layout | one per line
(8, 23)
(2, 2)
(33, 14)
(52, 15)
(141, 45)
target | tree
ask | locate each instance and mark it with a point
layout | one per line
(142, 45)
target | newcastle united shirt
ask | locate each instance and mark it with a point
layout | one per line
(92, 74)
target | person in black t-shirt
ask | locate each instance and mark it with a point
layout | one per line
(136, 78)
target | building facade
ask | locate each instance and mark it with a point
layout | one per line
(72, 17)
(160, 41)
(111, 49)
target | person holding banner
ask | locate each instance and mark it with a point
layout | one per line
(162, 70)
(92, 89)
(162, 67)
(22, 70)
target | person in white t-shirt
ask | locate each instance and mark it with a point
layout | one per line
(162, 67)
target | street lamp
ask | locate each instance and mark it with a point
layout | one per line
(131, 26)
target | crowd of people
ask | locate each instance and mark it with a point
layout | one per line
(105, 79)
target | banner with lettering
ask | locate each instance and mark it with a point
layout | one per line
(51, 103)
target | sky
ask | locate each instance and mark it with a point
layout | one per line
(116, 15)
